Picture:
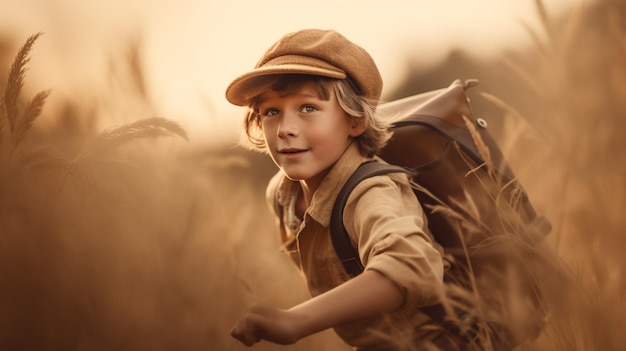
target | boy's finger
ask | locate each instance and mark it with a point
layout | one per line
(247, 335)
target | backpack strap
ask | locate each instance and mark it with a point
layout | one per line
(341, 240)
(348, 254)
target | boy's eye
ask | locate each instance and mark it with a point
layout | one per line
(308, 108)
(270, 112)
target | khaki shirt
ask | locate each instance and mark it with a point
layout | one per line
(387, 224)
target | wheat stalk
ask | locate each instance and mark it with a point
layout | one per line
(572, 27)
(507, 107)
(483, 150)
(530, 80)
(542, 12)
(5, 132)
(32, 111)
(15, 81)
(113, 138)
(15, 124)
(154, 127)
(536, 39)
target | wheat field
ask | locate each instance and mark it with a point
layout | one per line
(130, 238)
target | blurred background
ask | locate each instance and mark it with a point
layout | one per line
(131, 220)
(190, 50)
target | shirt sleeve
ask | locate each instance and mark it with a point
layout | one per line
(386, 221)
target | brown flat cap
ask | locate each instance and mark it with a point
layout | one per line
(316, 52)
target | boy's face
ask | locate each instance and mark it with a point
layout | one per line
(304, 134)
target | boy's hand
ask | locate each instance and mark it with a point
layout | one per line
(261, 322)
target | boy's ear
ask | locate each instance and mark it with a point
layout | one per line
(357, 127)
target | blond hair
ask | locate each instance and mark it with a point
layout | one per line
(358, 108)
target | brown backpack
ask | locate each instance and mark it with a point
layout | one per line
(477, 212)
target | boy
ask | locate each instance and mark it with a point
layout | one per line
(311, 102)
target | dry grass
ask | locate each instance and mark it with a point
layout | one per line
(571, 157)
(131, 239)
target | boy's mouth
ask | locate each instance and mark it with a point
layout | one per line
(292, 151)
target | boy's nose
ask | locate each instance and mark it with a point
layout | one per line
(288, 126)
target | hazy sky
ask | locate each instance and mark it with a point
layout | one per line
(193, 48)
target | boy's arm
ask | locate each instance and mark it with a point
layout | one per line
(368, 295)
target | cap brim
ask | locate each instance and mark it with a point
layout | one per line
(239, 91)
